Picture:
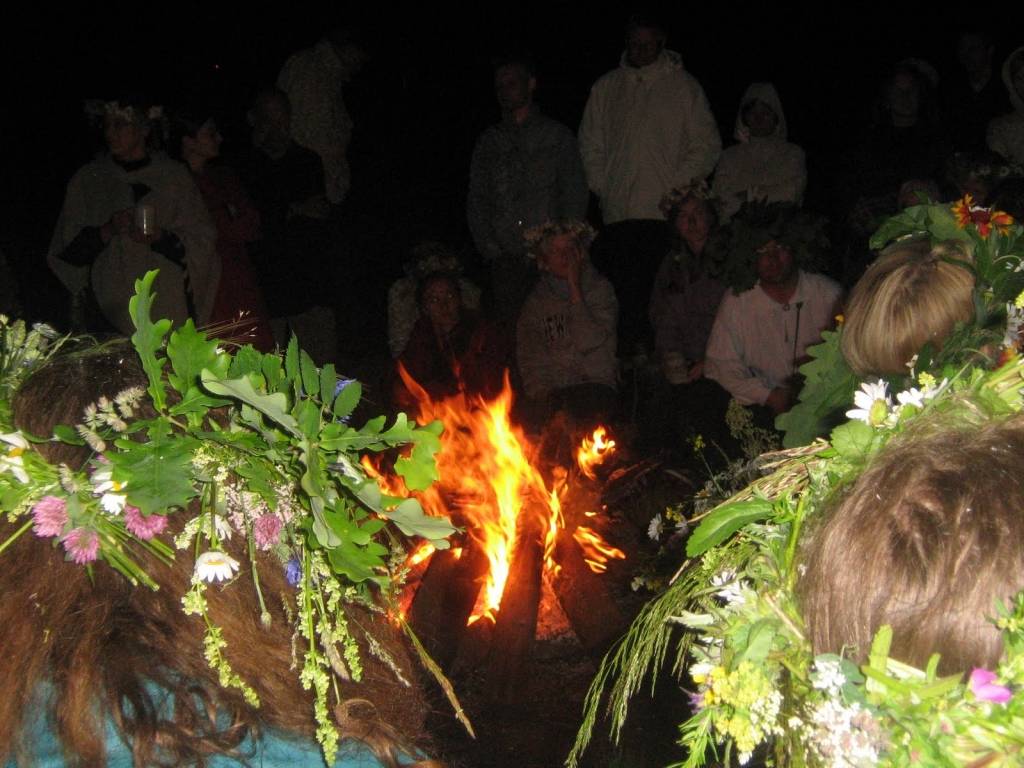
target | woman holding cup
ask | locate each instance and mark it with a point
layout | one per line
(130, 210)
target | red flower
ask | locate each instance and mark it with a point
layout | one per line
(983, 219)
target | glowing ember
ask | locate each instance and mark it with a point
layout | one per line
(593, 451)
(596, 551)
(488, 481)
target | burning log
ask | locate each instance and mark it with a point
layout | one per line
(445, 599)
(516, 623)
(586, 598)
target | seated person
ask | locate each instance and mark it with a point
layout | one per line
(937, 517)
(566, 336)
(760, 337)
(428, 257)
(100, 671)
(450, 349)
(685, 296)
(912, 294)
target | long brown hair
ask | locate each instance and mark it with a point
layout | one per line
(104, 646)
(926, 541)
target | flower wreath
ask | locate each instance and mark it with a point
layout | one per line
(535, 236)
(758, 687)
(262, 443)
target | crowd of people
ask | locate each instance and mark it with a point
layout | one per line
(704, 260)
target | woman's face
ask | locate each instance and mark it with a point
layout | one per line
(904, 97)
(693, 222)
(442, 304)
(126, 139)
(207, 140)
(557, 254)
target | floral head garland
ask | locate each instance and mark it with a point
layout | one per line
(675, 197)
(731, 619)
(996, 246)
(279, 466)
(536, 236)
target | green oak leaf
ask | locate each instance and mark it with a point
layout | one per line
(411, 521)
(149, 336)
(274, 407)
(189, 352)
(158, 473)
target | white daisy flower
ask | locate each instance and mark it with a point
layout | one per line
(109, 490)
(873, 403)
(215, 566)
(912, 396)
(656, 527)
(10, 455)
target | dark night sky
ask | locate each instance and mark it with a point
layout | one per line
(420, 103)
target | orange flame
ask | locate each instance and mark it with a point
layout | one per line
(596, 551)
(487, 480)
(593, 451)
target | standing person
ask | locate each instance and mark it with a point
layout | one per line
(1006, 133)
(646, 128)
(762, 165)
(525, 170)
(314, 80)
(239, 303)
(130, 210)
(287, 183)
(760, 336)
(974, 94)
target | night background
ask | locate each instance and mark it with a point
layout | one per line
(426, 93)
(418, 106)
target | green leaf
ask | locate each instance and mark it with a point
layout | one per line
(328, 378)
(274, 407)
(291, 359)
(411, 521)
(273, 373)
(158, 474)
(67, 435)
(307, 415)
(196, 401)
(723, 522)
(310, 375)
(759, 641)
(828, 390)
(246, 361)
(419, 468)
(190, 352)
(149, 336)
(347, 400)
(853, 440)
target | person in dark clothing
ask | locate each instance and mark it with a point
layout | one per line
(286, 183)
(974, 94)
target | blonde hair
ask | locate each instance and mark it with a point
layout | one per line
(914, 293)
(926, 541)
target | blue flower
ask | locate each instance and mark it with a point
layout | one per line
(293, 571)
(342, 383)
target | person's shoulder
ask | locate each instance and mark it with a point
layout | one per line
(821, 284)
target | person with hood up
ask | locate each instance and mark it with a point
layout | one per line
(763, 165)
(646, 129)
(1006, 133)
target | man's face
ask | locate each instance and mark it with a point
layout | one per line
(775, 263)
(513, 87)
(693, 222)
(126, 139)
(760, 119)
(643, 46)
(442, 304)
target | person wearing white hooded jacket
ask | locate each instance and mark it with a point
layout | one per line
(1006, 133)
(763, 165)
(646, 128)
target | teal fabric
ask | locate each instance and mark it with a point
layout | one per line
(274, 750)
